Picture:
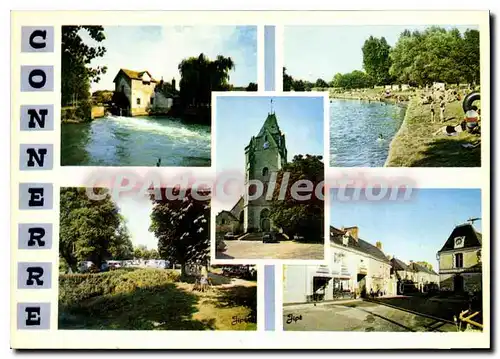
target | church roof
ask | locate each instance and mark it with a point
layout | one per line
(271, 125)
(472, 237)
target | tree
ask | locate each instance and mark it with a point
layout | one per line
(471, 57)
(89, 229)
(120, 247)
(436, 55)
(182, 227)
(287, 81)
(200, 76)
(252, 86)
(353, 80)
(76, 72)
(295, 216)
(425, 264)
(376, 60)
(321, 83)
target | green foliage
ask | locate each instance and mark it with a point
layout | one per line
(76, 72)
(142, 252)
(321, 83)
(75, 288)
(182, 226)
(425, 264)
(90, 229)
(252, 87)
(200, 76)
(301, 217)
(290, 84)
(436, 55)
(101, 97)
(353, 80)
(376, 60)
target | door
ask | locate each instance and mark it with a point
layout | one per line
(458, 283)
(265, 225)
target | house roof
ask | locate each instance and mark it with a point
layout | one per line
(336, 236)
(398, 264)
(229, 214)
(237, 204)
(472, 237)
(134, 75)
(421, 268)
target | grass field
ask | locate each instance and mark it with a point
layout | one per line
(415, 145)
(154, 299)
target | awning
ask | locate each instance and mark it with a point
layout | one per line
(322, 275)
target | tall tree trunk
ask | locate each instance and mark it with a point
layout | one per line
(183, 270)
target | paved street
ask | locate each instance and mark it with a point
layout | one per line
(359, 316)
(283, 250)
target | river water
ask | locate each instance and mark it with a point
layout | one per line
(355, 127)
(135, 141)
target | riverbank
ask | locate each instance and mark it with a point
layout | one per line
(415, 144)
(373, 95)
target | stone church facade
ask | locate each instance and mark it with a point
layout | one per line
(266, 153)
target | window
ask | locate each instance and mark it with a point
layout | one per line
(265, 171)
(223, 221)
(459, 260)
(123, 88)
(138, 101)
(152, 100)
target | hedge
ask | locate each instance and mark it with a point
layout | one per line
(74, 288)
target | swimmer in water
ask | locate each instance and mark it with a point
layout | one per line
(380, 137)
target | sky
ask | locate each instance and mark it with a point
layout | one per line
(239, 118)
(410, 230)
(160, 50)
(137, 214)
(312, 52)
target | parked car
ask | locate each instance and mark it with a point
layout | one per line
(85, 266)
(114, 265)
(229, 236)
(269, 237)
(104, 267)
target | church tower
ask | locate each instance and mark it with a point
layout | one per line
(266, 153)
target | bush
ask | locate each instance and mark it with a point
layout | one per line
(74, 288)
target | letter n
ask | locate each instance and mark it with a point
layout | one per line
(39, 117)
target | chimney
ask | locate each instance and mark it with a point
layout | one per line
(354, 231)
(378, 244)
(173, 83)
(389, 257)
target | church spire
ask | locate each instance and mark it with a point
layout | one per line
(271, 113)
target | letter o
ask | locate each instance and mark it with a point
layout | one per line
(37, 84)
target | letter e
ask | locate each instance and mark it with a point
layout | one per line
(33, 316)
(36, 199)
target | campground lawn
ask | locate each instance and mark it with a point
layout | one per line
(154, 299)
(415, 145)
